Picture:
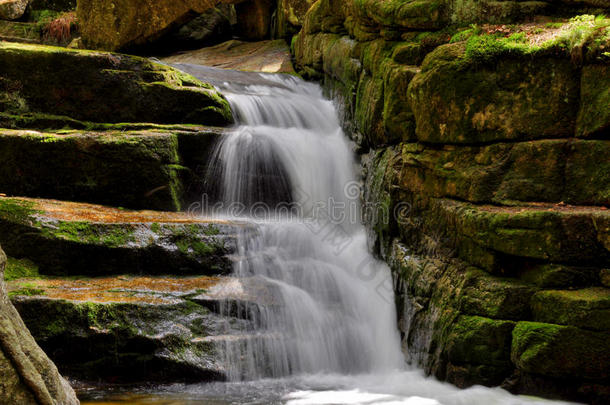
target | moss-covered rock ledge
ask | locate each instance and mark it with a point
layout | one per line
(65, 238)
(103, 87)
(123, 329)
(158, 167)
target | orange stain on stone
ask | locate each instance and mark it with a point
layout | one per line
(75, 211)
(118, 289)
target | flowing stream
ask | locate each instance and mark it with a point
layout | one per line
(317, 321)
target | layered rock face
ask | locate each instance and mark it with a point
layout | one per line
(485, 153)
(118, 295)
(103, 87)
(27, 374)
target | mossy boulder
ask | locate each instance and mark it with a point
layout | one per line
(398, 119)
(104, 87)
(550, 235)
(122, 24)
(560, 351)
(588, 308)
(125, 341)
(27, 375)
(404, 14)
(479, 340)
(457, 101)
(552, 275)
(494, 297)
(478, 350)
(568, 171)
(290, 16)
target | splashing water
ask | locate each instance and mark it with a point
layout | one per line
(311, 298)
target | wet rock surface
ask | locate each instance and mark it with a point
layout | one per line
(123, 293)
(261, 56)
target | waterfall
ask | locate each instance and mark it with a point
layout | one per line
(315, 299)
(310, 313)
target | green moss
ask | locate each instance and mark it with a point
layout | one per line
(560, 351)
(86, 232)
(27, 290)
(478, 340)
(16, 211)
(20, 268)
(587, 308)
(132, 89)
(582, 37)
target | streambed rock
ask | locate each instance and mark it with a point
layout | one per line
(261, 56)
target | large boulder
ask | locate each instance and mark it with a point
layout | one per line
(12, 9)
(456, 100)
(103, 87)
(121, 24)
(26, 373)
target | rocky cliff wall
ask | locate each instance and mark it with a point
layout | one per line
(490, 145)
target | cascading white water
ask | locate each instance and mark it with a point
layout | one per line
(331, 309)
(313, 301)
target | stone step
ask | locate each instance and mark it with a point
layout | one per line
(67, 238)
(105, 335)
(510, 240)
(134, 328)
(159, 167)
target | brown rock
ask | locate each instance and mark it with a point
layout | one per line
(254, 19)
(12, 9)
(260, 56)
(122, 24)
